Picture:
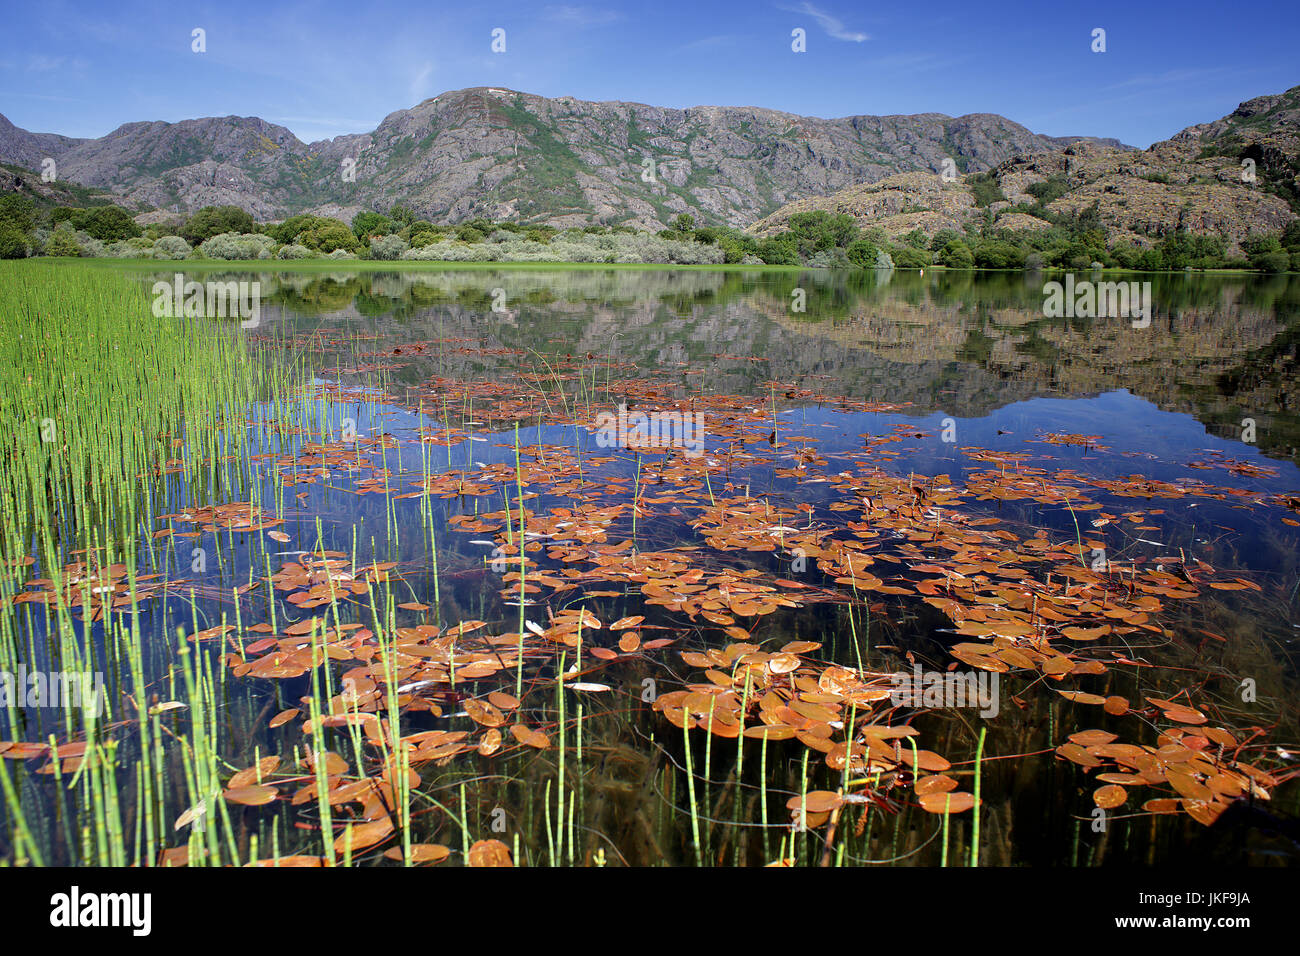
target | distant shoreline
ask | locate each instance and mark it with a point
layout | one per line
(449, 265)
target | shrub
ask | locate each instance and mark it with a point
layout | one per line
(994, 254)
(956, 255)
(388, 247)
(917, 239)
(820, 230)
(451, 252)
(63, 242)
(778, 252)
(829, 259)
(18, 211)
(1051, 188)
(130, 249)
(1277, 261)
(910, 257)
(213, 221)
(985, 188)
(862, 253)
(325, 235)
(294, 251)
(367, 224)
(943, 237)
(13, 244)
(230, 245)
(171, 247)
(108, 224)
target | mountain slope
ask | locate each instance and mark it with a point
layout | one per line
(503, 154)
(1197, 180)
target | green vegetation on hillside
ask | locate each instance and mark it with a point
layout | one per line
(817, 239)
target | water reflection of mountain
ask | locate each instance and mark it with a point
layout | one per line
(1218, 348)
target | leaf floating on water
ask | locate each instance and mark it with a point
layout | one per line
(190, 815)
(291, 861)
(254, 796)
(1085, 633)
(925, 760)
(770, 732)
(421, 853)
(163, 708)
(489, 853)
(1117, 706)
(529, 737)
(800, 647)
(363, 835)
(816, 801)
(1080, 697)
(1076, 754)
(781, 663)
(244, 778)
(481, 712)
(1091, 738)
(1203, 812)
(936, 783)
(283, 717)
(590, 688)
(1109, 796)
(955, 802)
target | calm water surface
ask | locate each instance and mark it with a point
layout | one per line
(895, 412)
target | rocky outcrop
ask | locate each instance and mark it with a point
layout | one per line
(1234, 176)
(505, 154)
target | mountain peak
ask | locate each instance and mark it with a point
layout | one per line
(494, 151)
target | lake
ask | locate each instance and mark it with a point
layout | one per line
(685, 566)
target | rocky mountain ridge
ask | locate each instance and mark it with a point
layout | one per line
(1231, 177)
(510, 155)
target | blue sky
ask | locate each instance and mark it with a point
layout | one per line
(324, 68)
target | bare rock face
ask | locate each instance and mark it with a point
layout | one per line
(896, 205)
(1234, 176)
(25, 182)
(25, 149)
(504, 154)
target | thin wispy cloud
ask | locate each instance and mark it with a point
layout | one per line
(580, 16)
(420, 83)
(831, 25)
(712, 42)
(1168, 78)
(40, 63)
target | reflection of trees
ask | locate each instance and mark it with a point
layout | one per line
(1219, 347)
